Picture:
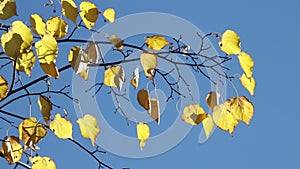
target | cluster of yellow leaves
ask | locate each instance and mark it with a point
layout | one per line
(226, 115)
(230, 44)
(88, 12)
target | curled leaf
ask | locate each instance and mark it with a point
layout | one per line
(37, 24)
(144, 99)
(249, 83)
(208, 125)
(8, 9)
(135, 77)
(116, 41)
(77, 59)
(69, 10)
(193, 114)
(114, 77)
(246, 63)
(154, 110)
(45, 107)
(50, 69)
(12, 149)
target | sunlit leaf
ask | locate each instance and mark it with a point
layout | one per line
(242, 109)
(69, 10)
(144, 99)
(154, 110)
(114, 77)
(149, 63)
(12, 149)
(45, 107)
(246, 63)
(37, 24)
(193, 114)
(116, 41)
(77, 59)
(50, 69)
(143, 133)
(46, 49)
(248, 83)
(109, 14)
(3, 87)
(89, 127)
(88, 13)
(25, 62)
(57, 27)
(31, 132)
(230, 42)
(135, 78)
(223, 117)
(208, 125)
(156, 42)
(39, 162)
(16, 41)
(61, 127)
(8, 9)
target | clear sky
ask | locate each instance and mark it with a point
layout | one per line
(269, 31)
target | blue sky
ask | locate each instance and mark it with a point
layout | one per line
(269, 31)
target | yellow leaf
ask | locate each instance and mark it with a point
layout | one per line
(8, 9)
(248, 83)
(212, 99)
(25, 62)
(3, 87)
(57, 27)
(230, 42)
(31, 132)
(45, 107)
(89, 127)
(156, 42)
(149, 63)
(193, 114)
(61, 127)
(50, 69)
(93, 52)
(143, 133)
(37, 24)
(109, 14)
(135, 78)
(116, 41)
(16, 41)
(114, 77)
(154, 110)
(69, 10)
(223, 117)
(208, 125)
(88, 13)
(77, 60)
(144, 99)
(246, 63)
(39, 162)
(242, 109)
(12, 149)
(46, 49)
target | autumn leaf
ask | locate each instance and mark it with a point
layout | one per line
(114, 77)
(208, 125)
(37, 24)
(149, 63)
(230, 42)
(249, 83)
(193, 114)
(242, 109)
(61, 127)
(154, 110)
(25, 62)
(88, 13)
(89, 127)
(69, 10)
(93, 52)
(116, 41)
(143, 133)
(212, 99)
(3, 87)
(156, 42)
(39, 162)
(246, 63)
(8, 9)
(12, 149)
(77, 59)
(31, 132)
(46, 49)
(109, 14)
(144, 99)
(45, 107)
(50, 69)
(57, 27)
